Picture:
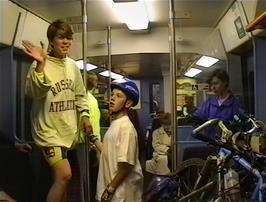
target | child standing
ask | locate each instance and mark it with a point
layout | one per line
(120, 176)
(55, 84)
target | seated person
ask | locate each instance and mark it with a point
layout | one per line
(161, 141)
(188, 107)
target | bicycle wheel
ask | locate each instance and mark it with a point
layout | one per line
(186, 177)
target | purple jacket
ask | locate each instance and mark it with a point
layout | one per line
(226, 111)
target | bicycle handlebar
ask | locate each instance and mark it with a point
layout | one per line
(205, 125)
(196, 133)
(229, 139)
(255, 126)
(213, 122)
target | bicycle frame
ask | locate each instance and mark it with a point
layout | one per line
(200, 187)
(226, 151)
(257, 194)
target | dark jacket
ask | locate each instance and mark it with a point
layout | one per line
(226, 111)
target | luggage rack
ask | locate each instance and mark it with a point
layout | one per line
(258, 23)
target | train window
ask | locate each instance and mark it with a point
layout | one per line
(155, 97)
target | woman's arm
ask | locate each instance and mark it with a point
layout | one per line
(37, 83)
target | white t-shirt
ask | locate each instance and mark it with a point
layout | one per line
(221, 100)
(120, 144)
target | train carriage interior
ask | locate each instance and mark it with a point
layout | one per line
(169, 48)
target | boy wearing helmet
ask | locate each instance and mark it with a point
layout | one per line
(120, 176)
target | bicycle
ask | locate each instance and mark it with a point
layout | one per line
(209, 184)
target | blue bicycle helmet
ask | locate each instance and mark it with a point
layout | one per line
(161, 188)
(128, 87)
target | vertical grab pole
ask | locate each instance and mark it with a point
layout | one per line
(174, 137)
(84, 55)
(14, 89)
(109, 60)
(84, 39)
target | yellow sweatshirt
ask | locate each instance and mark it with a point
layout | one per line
(58, 93)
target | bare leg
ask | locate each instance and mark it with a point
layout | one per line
(62, 175)
(5, 197)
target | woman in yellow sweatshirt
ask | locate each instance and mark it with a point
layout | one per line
(55, 84)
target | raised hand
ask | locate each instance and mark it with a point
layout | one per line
(37, 53)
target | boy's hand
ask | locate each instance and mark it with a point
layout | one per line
(37, 53)
(108, 194)
(86, 125)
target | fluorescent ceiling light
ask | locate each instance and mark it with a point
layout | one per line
(206, 61)
(192, 72)
(89, 66)
(124, 1)
(134, 14)
(112, 74)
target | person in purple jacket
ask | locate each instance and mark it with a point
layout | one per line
(223, 105)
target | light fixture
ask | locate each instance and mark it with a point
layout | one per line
(112, 74)
(206, 61)
(133, 13)
(89, 66)
(192, 72)
(124, 1)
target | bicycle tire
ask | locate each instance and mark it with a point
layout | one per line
(186, 176)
